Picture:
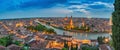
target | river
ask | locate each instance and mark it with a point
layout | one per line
(78, 35)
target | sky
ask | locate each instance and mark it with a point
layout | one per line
(55, 8)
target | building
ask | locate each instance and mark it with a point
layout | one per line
(70, 25)
(83, 23)
(2, 48)
(66, 18)
(14, 47)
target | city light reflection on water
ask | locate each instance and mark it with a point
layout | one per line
(79, 35)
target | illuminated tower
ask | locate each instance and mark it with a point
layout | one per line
(71, 23)
(83, 23)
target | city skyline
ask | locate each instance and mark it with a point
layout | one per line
(55, 8)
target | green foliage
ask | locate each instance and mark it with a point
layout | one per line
(101, 40)
(74, 48)
(49, 30)
(5, 41)
(116, 25)
(111, 43)
(40, 27)
(89, 48)
(18, 43)
(25, 47)
(65, 45)
(85, 48)
(64, 49)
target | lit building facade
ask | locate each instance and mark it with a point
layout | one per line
(70, 25)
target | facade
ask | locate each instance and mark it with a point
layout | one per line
(70, 25)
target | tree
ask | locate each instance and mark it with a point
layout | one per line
(26, 47)
(116, 25)
(101, 40)
(5, 41)
(66, 45)
(85, 48)
(89, 48)
(50, 30)
(40, 27)
(17, 43)
(64, 48)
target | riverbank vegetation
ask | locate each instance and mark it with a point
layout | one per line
(41, 28)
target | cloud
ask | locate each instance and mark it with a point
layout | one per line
(11, 5)
(59, 7)
(77, 6)
(41, 3)
(109, 5)
(89, 8)
(83, 11)
(48, 12)
(79, 9)
(94, 4)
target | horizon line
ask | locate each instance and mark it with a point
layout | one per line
(48, 17)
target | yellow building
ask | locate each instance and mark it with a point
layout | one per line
(70, 26)
(20, 24)
(85, 41)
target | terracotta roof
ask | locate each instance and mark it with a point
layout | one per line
(2, 48)
(104, 47)
(13, 47)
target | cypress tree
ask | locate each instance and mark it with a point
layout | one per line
(116, 25)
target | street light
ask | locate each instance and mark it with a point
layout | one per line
(106, 40)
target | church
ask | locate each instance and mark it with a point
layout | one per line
(70, 25)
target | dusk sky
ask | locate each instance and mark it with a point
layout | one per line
(55, 8)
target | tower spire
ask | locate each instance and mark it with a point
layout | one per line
(71, 23)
